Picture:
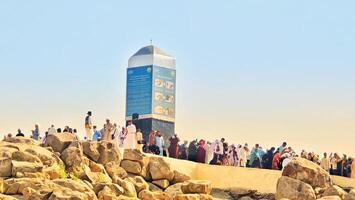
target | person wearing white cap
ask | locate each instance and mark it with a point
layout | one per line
(130, 141)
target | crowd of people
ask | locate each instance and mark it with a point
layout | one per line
(218, 152)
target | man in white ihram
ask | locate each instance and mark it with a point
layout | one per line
(130, 141)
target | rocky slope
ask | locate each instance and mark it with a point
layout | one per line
(65, 169)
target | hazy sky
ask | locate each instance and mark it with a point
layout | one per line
(251, 71)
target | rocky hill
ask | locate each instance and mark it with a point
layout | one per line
(65, 169)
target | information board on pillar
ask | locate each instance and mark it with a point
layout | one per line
(139, 91)
(164, 93)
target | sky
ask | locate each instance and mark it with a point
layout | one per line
(250, 71)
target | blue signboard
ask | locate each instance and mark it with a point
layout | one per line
(139, 91)
(164, 93)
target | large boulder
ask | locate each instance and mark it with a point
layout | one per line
(139, 183)
(131, 166)
(114, 169)
(6, 197)
(108, 151)
(308, 172)
(180, 177)
(148, 195)
(174, 190)
(90, 149)
(334, 190)
(14, 186)
(129, 188)
(293, 189)
(334, 197)
(77, 187)
(59, 141)
(195, 197)
(197, 186)
(95, 177)
(350, 195)
(22, 169)
(21, 140)
(163, 184)
(5, 167)
(159, 169)
(114, 188)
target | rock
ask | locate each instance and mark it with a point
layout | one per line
(334, 197)
(122, 197)
(90, 149)
(193, 197)
(95, 177)
(350, 196)
(131, 166)
(139, 183)
(5, 167)
(246, 198)
(108, 152)
(308, 172)
(59, 141)
(20, 167)
(154, 188)
(163, 184)
(173, 190)
(106, 194)
(159, 169)
(115, 189)
(24, 156)
(21, 140)
(72, 156)
(129, 188)
(180, 177)
(197, 186)
(334, 190)
(6, 197)
(294, 189)
(114, 169)
(240, 192)
(78, 189)
(14, 186)
(148, 195)
(135, 155)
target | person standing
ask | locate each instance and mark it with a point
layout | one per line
(114, 134)
(108, 127)
(243, 156)
(159, 142)
(19, 133)
(174, 146)
(130, 142)
(52, 130)
(151, 142)
(36, 132)
(183, 150)
(122, 136)
(192, 151)
(325, 163)
(97, 135)
(88, 126)
(282, 147)
(233, 155)
(139, 139)
(201, 152)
